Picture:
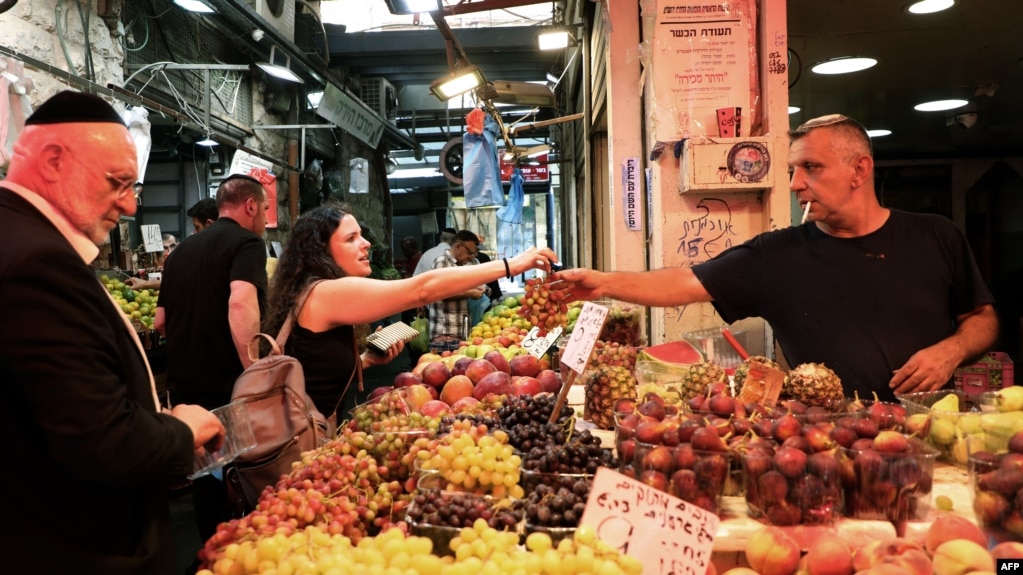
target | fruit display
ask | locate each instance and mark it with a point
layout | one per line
(996, 484)
(792, 484)
(674, 352)
(951, 545)
(441, 515)
(813, 384)
(952, 417)
(604, 387)
(139, 306)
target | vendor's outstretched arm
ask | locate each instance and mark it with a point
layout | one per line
(932, 367)
(656, 288)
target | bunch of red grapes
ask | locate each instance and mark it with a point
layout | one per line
(542, 307)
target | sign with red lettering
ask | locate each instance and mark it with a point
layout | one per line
(530, 172)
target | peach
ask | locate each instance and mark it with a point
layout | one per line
(909, 556)
(465, 404)
(479, 369)
(435, 408)
(436, 373)
(1007, 550)
(830, 555)
(949, 527)
(771, 551)
(740, 571)
(960, 556)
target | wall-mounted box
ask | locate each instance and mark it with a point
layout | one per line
(726, 165)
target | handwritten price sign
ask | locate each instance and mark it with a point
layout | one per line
(584, 335)
(668, 536)
(536, 345)
(152, 238)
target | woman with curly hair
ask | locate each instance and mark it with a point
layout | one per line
(327, 244)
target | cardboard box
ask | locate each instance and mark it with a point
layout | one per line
(993, 371)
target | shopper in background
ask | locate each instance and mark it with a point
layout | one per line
(169, 243)
(425, 263)
(213, 292)
(90, 456)
(448, 315)
(892, 301)
(326, 244)
(410, 249)
(203, 214)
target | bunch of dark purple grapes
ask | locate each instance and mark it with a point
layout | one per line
(454, 509)
(582, 454)
(559, 504)
(526, 418)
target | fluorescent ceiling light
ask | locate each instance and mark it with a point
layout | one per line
(195, 6)
(207, 141)
(468, 78)
(314, 98)
(940, 105)
(553, 39)
(794, 109)
(930, 6)
(843, 65)
(878, 133)
(412, 6)
(277, 71)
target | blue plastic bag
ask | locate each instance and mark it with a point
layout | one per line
(481, 171)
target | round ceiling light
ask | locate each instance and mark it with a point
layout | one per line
(940, 105)
(843, 65)
(878, 133)
(930, 6)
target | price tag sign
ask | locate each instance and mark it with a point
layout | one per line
(668, 536)
(584, 335)
(536, 345)
(152, 238)
(154, 276)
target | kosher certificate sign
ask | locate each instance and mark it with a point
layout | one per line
(701, 62)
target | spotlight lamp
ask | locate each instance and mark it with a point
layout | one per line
(460, 82)
(412, 6)
(276, 70)
(198, 6)
(554, 38)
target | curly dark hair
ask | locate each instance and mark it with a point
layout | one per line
(306, 258)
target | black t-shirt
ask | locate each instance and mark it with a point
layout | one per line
(862, 306)
(202, 362)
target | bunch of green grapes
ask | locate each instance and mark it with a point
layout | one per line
(469, 462)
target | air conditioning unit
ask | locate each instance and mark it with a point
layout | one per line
(380, 95)
(278, 14)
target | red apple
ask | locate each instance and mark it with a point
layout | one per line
(526, 365)
(550, 380)
(497, 383)
(378, 391)
(461, 364)
(407, 378)
(499, 361)
(436, 374)
(478, 369)
(526, 386)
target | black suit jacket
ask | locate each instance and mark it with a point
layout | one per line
(88, 459)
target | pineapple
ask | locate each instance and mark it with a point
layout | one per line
(740, 372)
(604, 387)
(813, 384)
(699, 376)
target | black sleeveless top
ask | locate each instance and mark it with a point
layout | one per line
(328, 360)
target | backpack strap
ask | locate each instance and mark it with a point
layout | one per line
(289, 322)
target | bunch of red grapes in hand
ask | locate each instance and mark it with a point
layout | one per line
(542, 307)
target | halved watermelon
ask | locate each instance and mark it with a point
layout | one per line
(672, 352)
